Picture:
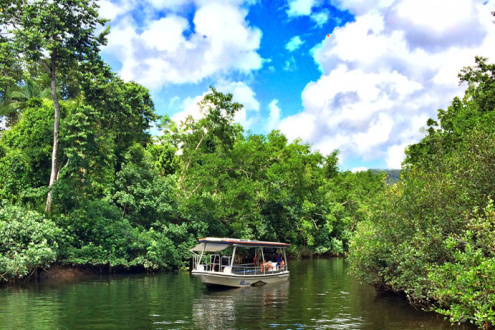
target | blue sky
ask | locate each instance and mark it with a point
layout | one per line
(359, 76)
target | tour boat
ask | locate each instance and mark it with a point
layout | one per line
(237, 263)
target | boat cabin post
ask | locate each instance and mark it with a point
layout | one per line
(201, 257)
(285, 260)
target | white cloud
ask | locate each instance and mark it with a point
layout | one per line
(320, 18)
(169, 4)
(395, 156)
(168, 50)
(303, 124)
(111, 10)
(241, 93)
(190, 108)
(387, 72)
(359, 169)
(274, 117)
(294, 43)
(300, 7)
(433, 24)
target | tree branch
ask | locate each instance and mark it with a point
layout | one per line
(194, 190)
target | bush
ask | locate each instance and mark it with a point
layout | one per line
(424, 239)
(166, 247)
(28, 241)
(98, 235)
(464, 287)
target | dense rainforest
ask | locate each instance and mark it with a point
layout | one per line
(84, 182)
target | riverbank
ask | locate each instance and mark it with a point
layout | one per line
(67, 273)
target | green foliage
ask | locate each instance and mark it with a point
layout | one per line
(16, 98)
(464, 286)
(24, 164)
(64, 28)
(28, 241)
(405, 235)
(59, 36)
(474, 112)
(167, 246)
(97, 235)
(423, 237)
(349, 198)
(266, 188)
(144, 196)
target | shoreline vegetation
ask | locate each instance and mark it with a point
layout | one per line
(432, 235)
(60, 272)
(80, 187)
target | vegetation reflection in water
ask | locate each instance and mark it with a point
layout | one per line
(319, 294)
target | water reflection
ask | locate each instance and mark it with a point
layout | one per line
(319, 294)
(226, 308)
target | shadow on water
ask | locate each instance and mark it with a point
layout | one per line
(318, 295)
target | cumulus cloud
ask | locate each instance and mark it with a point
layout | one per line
(110, 10)
(387, 72)
(294, 43)
(300, 7)
(170, 49)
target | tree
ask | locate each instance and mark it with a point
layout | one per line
(63, 29)
(24, 160)
(15, 98)
(476, 110)
(212, 133)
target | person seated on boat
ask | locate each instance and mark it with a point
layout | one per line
(265, 266)
(280, 261)
(255, 261)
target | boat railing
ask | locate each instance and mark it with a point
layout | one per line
(213, 262)
(225, 261)
(218, 263)
(251, 269)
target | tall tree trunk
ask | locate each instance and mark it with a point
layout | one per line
(56, 125)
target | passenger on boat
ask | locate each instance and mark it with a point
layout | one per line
(280, 261)
(265, 266)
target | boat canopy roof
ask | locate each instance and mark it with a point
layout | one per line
(214, 244)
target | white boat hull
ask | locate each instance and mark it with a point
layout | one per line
(239, 281)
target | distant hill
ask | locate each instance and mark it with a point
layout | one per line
(392, 175)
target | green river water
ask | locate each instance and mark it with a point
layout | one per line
(319, 295)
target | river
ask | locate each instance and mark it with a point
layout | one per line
(320, 294)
